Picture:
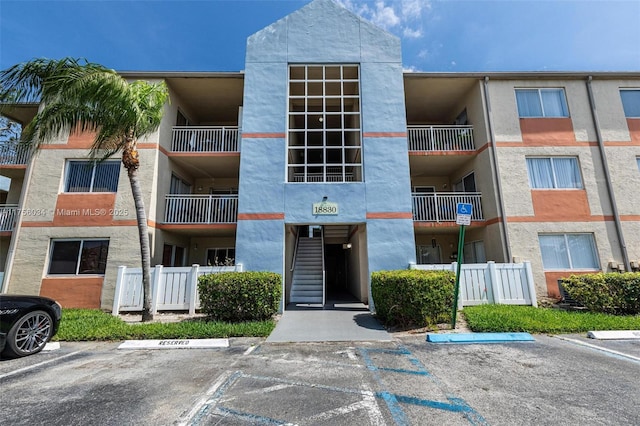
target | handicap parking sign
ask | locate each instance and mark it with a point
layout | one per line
(463, 216)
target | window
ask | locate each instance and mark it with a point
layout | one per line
(541, 103)
(638, 160)
(89, 176)
(427, 255)
(466, 184)
(554, 172)
(179, 186)
(631, 103)
(78, 257)
(324, 130)
(568, 251)
(474, 252)
(173, 255)
(221, 256)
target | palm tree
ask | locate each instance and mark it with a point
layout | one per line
(79, 96)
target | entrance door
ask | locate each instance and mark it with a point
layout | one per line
(336, 272)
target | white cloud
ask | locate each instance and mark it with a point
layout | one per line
(403, 17)
(411, 33)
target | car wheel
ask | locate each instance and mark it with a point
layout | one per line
(29, 334)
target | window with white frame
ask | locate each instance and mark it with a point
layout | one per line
(631, 102)
(90, 176)
(78, 257)
(541, 103)
(221, 256)
(554, 173)
(324, 129)
(568, 251)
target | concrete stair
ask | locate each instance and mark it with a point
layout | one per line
(307, 272)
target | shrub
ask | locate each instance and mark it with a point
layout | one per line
(611, 293)
(240, 296)
(413, 297)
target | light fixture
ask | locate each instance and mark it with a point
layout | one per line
(346, 246)
(324, 198)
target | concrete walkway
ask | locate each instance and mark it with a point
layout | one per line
(336, 322)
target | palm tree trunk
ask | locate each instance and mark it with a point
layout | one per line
(143, 234)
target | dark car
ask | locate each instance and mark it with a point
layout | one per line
(27, 323)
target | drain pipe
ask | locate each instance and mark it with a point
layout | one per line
(496, 178)
(605, 166)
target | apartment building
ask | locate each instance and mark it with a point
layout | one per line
(324, 161)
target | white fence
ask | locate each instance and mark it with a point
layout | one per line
(441, 206)
(193, 208)
(172, 289)
(501, 283)
(440, 138)
(204, 139)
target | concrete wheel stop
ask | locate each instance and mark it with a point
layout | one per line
(479, 338)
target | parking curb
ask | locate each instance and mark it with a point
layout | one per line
(479, 337)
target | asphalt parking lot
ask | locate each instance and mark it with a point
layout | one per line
(554, 380)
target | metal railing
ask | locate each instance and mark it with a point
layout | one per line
(8, 216)
(12, 153)
(441, 206)
(204, 209)
(204, 139)
(440, 138)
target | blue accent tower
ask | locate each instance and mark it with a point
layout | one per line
(279, 185)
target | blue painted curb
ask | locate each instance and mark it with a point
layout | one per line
(479, 337)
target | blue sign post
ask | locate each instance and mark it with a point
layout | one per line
(463, 218)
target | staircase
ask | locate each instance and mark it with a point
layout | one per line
(307, 285)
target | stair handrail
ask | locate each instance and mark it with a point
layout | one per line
(324, 272)
(295, 251)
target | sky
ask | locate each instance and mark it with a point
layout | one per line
(436, 35)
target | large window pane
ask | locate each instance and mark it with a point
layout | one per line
(567, 173)
(318, 137)
(71, 257)
(540, 173)
(554, 252)
(631, 102)
(93, 259)
(583, 251)
(554, 172)
(528, 103)
(568, 251)
(64, 257)
(79, 176)
(87, 176)
(553, 103)
(541, 103)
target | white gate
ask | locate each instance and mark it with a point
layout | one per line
(502, 283)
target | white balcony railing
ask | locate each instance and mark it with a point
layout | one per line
(12, 153)
(202, 209)
(204, 139)
(8, 216)
(441, 207)
(440, 138)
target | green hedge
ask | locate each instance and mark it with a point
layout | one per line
(413, 297)
(240, 296)
(610, 293)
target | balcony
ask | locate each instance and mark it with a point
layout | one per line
(441, 206)
(204, 139)
(13, 154)
(440, 138)
(8, 216)
(200, 209)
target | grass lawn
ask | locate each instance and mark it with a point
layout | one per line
(91, 324)
(505, 318)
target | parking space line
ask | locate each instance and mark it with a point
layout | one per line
(393, 401)
(40, 364)
(251, 418)
(607, 351)
(213, 394)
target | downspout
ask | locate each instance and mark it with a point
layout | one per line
(607, 176)
(506, 246)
